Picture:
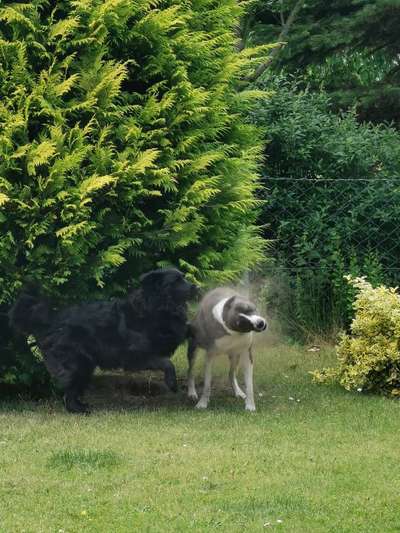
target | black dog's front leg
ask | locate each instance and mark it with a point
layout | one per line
(170, 376)
(163, 363)
(139, 357)
(73, 404)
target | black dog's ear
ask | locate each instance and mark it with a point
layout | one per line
(151, 280)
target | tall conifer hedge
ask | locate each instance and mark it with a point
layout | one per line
(123, 144)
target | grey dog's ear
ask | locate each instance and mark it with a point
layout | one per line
(230, 301)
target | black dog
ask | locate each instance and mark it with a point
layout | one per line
(140, 332)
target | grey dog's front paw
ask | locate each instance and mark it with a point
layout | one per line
(201, 404)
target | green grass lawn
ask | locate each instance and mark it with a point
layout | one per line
(140, 462)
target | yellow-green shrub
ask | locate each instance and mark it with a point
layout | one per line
(369, 357)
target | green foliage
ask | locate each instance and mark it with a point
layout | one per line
(21, 370)
(369, 357)
(351, 49)
(333, 205)
(123, 144)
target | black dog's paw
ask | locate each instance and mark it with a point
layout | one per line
(85, 409)
(75, 406)
(171, 383)
(174, 387)
(79, 410)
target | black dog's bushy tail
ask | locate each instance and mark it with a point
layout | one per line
(31, 313)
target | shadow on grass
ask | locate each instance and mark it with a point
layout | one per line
(281, 378)
(117, 391)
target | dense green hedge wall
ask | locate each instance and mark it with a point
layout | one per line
(333, 205)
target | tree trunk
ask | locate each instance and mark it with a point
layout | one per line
(281, 41)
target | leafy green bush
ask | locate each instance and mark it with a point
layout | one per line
(123, 144)
(333, 205)
(21, 370)
(369, 357)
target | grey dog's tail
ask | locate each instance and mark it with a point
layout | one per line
(31, 313)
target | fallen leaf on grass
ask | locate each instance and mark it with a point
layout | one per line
(314, 349)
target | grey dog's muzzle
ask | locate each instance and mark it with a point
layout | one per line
(259, 323)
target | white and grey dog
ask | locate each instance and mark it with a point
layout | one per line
(225, 323)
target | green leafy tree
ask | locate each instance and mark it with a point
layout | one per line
(350, 48)
(124, 144)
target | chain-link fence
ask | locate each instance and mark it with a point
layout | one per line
(321, 229)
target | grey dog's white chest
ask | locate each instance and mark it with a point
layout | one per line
(238, 343)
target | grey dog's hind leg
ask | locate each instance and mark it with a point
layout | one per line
(191, 355)
(234, 360)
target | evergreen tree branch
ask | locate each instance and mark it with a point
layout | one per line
(281, 40)
(281, 14)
